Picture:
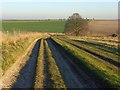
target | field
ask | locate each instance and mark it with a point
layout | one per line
(103, 27)
(97, 27)
(54, 60)
(34, 26)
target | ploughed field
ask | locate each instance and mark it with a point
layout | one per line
(64, 62)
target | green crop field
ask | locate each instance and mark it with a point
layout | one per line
(34, 26)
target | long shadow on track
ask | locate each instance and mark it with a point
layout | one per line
(27, 73)
(72, 74)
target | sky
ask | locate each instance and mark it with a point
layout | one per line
(34, 9)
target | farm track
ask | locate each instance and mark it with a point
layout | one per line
(72, 72)
(73, 75)
(117, 64)
(46, 77)
(27, 73)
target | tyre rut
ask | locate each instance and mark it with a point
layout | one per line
(73, 76)
(27, 73)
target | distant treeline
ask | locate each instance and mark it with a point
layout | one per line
(34, 19)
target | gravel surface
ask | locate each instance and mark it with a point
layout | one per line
(73, 76)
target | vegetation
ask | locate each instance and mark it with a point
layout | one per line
(100, 53)
(47, 73)
(92, 55)
(39, 78)
(109, 42)
(55, 79)
(14, 46)
(100, 46)
(76, 25)
(100, 69)
(114, 35)
(34, 26)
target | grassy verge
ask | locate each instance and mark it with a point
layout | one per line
(12, 50)
(100, 69)
(107, 41)
(99, 46)
(97, 51)
(39, 78)
(55, 80)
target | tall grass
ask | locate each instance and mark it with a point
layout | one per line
(14, 46)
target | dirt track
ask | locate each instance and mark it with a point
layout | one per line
(74, 77)
(27, 73)
(20, 74)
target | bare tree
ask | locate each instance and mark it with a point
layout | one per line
(76, 25)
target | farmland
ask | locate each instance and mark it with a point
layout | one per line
(97, 27)
(31, 59)
(61, 61)
(34, 26)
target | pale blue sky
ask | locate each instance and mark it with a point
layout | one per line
(42, 10)
(60, 0)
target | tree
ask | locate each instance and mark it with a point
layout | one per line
(76, 25)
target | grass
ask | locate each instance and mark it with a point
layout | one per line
(93, 49)
(47, 73)
(56, 79)
(100, 69)
(39, 78)
(13, 47)
(99, 46)
(107, 41)
(34, 26)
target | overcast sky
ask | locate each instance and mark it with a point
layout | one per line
(36, 9)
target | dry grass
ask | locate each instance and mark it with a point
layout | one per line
(112, 41)
(14, 46)
(6, 37)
